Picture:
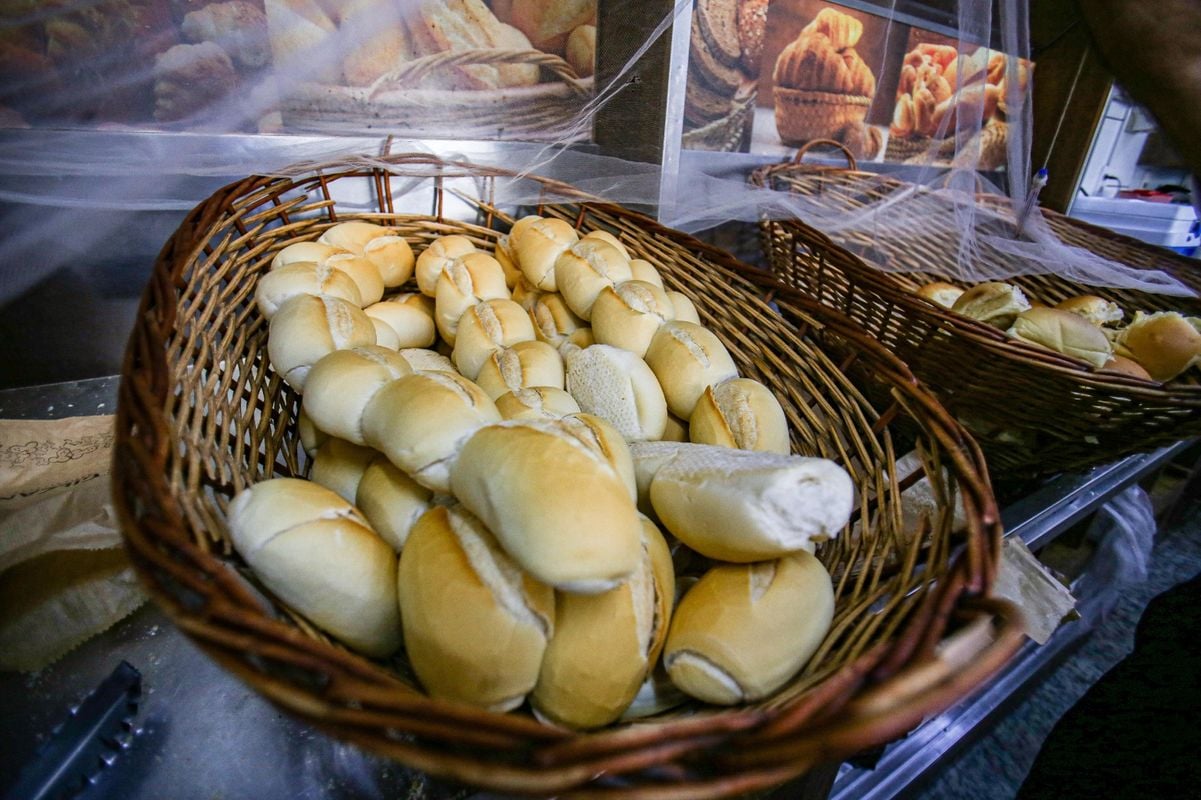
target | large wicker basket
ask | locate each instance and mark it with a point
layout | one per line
(395, 103)
(1033, 411)
(201, 415)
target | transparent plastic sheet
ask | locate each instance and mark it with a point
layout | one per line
(1123, 533)
(58, 181)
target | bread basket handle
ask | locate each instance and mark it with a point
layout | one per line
(412, 71)
(807, 146)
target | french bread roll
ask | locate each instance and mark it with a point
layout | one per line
(1165, 343)
(608, 238)
(687, 359)
(519, 228)
(339, 465)
(340, 385)
(548, 22)
(584, 269)
(617, 386)
(743, 631)
(538, 248)
(629, 314)
(553, 500)
(464, 282)
(525, 294)
(1063, 332)
(648, 458)
(606, 441)
(684, 310)
(580, 50)
(645, 271)
(364, 274)
(580, 337)
(307, 327)
(740, 413)
(385, 336)
(740, 506)
(316, 553)
(314, 252)
(940, 292)
(303, 277)
(310, 437)
(423, 360)
(297, 29)
(536, 402)
(409, 316)
(353, 236)
(393, 257)
(475, 626)
(523, 365)
(676, 430)
(508, 263)
(421, 420)
(1126, 366)
(486, 327)
(553, 320)
(993, 303)
(1096, 310)
(605, 645)
(436, 257)
(391, 501)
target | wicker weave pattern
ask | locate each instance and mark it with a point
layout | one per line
(1033, 411)
(201, 415)
(802, 114)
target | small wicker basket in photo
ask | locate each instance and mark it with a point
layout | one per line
(802, 115)
(730, 134)
(396, 104)
(202, 415)
(1033, 410)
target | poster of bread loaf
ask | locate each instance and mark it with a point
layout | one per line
(469, 69)
(724, 61)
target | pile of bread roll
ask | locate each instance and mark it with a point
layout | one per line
(506, 461)
(1159, 346)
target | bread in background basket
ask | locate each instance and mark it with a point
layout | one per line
(225, 421)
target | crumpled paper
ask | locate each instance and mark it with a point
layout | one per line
(64, 576)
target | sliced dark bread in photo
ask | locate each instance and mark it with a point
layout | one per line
(718, 22)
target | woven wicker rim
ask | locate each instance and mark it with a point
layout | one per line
(412, 71)
(888, 689)
(822, 98)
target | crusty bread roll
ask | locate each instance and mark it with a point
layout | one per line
(608, 238)
(364, 274)
(581, 50)
(739, 506)
(385, 336)
(508, 262)
(409, 316)
(993, 303)
(1063, 332)
(519, 228)
(553, 320)
(580, 337)
(684, 309)
(629, 314)
(1165, 343)
(390, 500)
(525, 364)
(1126, 366)
(340, 385)
(485, 327)
(940, 292)
(393, 257)
(605, 645)
(307, 327)
(423, 360)
(475, 626)
(353, 235)
(297, 29)
(676, 430)
(434, 259)
(525, 294)
(740, 413)
(548, 22)
(617, 386)
(464, 282)
(310, 437)
(648, 458)
(314, 252)
(315, 552)
(421, 420)
(743, 631)
(687, 359)
(605, 440)
(536, 402)
(1096, 310)
(303, 277)
(584, 269)
(339, 465)
(645, 271)
(539, 247)
(553, 500)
